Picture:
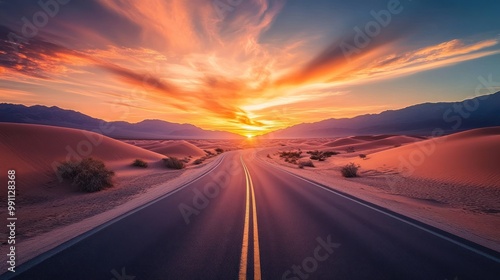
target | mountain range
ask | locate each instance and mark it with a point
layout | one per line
(421, 119)
(147, 129)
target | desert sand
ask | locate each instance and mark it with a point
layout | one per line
(450, 182)
(175, 148)
(46, 203)
(33, 150)
(466, 158)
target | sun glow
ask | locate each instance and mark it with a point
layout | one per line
(244, 70)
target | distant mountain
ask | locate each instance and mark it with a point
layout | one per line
(147, 129)
(421, 119)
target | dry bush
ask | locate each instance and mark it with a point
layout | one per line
(321, 155)
(174, 163)
(307, 163)
(89, 175)
(140, 163)
(199, 160)
(350, 170)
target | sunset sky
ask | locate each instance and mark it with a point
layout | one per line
(245, 66)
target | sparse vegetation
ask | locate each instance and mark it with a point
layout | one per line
(68, 169)
(350, 150)
(199, 160)
(307, 163)
(350, 170)
(291, 154)
(140, 163)
(290, 157)
(363, 156)
(174, 163)
(321, 155)
(209, 153)
(88, 175)
(219, 150)
(269, 156)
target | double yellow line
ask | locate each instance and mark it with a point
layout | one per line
(246, 231)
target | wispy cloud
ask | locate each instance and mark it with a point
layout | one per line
(216, 71)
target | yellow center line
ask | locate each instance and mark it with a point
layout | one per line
(256, 247)
(244, 246)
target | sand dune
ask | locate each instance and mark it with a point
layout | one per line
(35, 150)
(470, 157)
(387, 142)
(177, 148)
(342, 142)
(450, 182)
(363, 143)
(371, 137)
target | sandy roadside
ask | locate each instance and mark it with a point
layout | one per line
(152, 185)
(479, 227)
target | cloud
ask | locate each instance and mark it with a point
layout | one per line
(212, 66)
(427, 58)
(384, 61)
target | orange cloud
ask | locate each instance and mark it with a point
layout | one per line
(216, 70)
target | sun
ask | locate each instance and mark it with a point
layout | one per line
(249, 136)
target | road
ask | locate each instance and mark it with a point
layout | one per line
(246, 219)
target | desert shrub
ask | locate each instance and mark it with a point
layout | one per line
(140, 163)
(68, 169)
(350, 150)
(292, 154)
(219, 150)
(269, 156)
(291, 157)
(350, 170)
(174, 163)
(209, 152)
(363, 156)
(199, 161)
(307, 163)
(89, 175)
(315, 156)
(330, 153)
(321, 155)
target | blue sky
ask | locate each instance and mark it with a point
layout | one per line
(247, 66)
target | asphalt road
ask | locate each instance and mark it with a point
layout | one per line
(248, 220)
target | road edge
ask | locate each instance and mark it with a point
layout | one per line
(94, 224)
(445, 235)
